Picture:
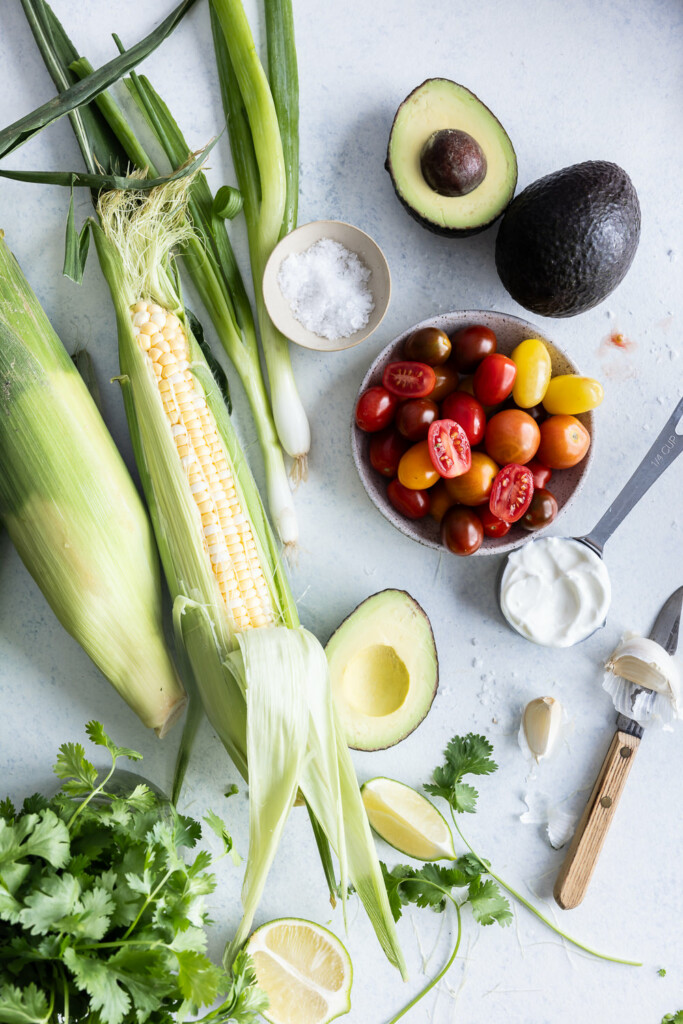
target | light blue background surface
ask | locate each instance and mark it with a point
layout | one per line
(569, 82)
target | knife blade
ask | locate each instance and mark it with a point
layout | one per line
(638, 701)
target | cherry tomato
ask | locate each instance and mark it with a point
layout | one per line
(416, 470)
(564, 442)
(493, 526)
(449, 448)
(538, 413)
(540, 473)
(534, 369)
(375, 409)
(541, 511)
(494, 379)
(446, 381)
(512, 492)
(468, 412)
(474, 487)
(428, 345)
(471, 345)
(440, 501)
(461, 531)
(512, 436)
(572, 395)
(414, 417)
(410, 503)
(409, 379)
(386, 448)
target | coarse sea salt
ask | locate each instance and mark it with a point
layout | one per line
(327, 289)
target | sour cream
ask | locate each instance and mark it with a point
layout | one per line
(555, 591)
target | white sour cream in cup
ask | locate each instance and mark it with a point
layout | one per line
(555, 591)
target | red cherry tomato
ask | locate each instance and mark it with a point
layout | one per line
(375, 409)
(494, 379)
(512, 436)
(493, 526)
(540, 473)
(512, 492)
(409, 380)
(449, 448)
(410, 503)
(468, 412)
(461, 531)
(386, 448)
(541, 511)
(414, 417)
(471, 345)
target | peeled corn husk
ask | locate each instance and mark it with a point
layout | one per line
(72, 511)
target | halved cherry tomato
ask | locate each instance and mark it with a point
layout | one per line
(494, 379)
(570, 394)
(512, 436)
(410, 503)
(512, 492)
(468, 412)
(461, 531)
(375, 409)
(534, 368)
(449, 448)
(474, 487)
(416, 469)
(409, 379)
(414, 417)
(541, 511)
(440, 501)
(564, 442)
(471, 345)
(428, 345)
(446, 381)
(540, 473)
(493, 526)
(386, 448)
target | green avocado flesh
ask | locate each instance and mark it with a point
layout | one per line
(568, 239)
(383, 670)
(436, 106)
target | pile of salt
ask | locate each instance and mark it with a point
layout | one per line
(326, 287)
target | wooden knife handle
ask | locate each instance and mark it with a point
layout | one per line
(591, 831)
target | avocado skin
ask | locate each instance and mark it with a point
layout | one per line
(568, 239)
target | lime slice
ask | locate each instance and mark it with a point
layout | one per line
(304, 970)
(407, 820)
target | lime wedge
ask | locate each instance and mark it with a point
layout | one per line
(407, 820)
(304, 970)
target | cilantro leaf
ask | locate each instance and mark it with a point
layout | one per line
(55, 898)
(218, 826)
(23, 1006)
(73, 767)
(673, 1018)
(198, 978)
(7, 810)
(465, 755)
(102, 985)
(98, 736)
(488, 903)
(472, 866)
(245, 1000)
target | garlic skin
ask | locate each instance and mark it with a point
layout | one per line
(640, 662)
(541, 725)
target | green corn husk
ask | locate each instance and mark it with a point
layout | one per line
(266, 691)
(72, 511)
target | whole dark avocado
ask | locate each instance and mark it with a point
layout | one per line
(568, 239)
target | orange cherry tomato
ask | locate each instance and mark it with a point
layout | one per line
(440, 500)
(416, 470)
(564, 442)
(512, 436)
(474, 487)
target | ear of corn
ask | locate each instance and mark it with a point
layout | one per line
(262, 679)
(72, 510)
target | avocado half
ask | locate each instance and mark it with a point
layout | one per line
(568, 239)
(437, 107)
(384, 670)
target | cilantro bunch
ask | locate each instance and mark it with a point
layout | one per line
(101, 916)
(462, 883)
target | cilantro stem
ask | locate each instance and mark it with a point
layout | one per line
(546, 920)
(150, 899)
(444, 970)
(93, 793)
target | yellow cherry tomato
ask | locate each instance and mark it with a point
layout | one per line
(532, 360)
(569, 395)
(416, 469)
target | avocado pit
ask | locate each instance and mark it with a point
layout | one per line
(452, 162)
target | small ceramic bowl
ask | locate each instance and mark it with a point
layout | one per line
(509, 331)
(303, 238)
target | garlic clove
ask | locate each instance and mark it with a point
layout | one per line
(644, 662)
(542, 723)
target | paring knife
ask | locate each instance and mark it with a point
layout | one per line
(591, 831)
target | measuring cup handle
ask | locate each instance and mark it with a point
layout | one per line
(665, 449)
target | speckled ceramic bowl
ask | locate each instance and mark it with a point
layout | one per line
(509, 331)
